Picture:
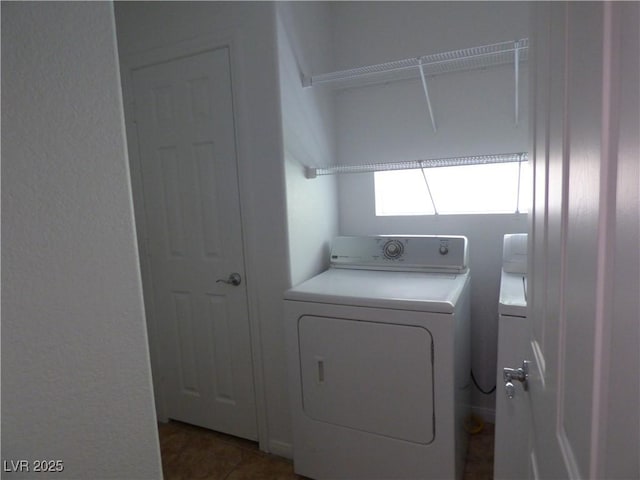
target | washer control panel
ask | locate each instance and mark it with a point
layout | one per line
(403, 253)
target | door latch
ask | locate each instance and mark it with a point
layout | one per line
(509, 375)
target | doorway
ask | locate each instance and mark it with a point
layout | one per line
(190, 217)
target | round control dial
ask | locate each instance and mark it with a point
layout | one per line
(393, 249)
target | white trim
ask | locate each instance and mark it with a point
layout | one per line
(573, 470)
(282, 449)
(129, 63)
(141, 232)
(540, 362)
(566, 450)
(172, 51)
(534, 472)
(245, 172)
(606, 239)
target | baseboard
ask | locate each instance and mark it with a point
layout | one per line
(488, 415)
(282, 449)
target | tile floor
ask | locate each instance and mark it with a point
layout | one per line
(190, 452)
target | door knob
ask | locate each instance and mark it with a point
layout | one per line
(510, 375)
(234, 279)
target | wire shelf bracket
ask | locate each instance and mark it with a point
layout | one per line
(426, 94)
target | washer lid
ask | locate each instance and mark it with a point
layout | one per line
(416, 291)
(514, 253)
(513, 295)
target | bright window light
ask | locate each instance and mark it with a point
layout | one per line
(470, 189)
(401, 192)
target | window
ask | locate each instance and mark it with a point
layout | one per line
(474, 189)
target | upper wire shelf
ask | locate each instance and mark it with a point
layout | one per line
(439, 63)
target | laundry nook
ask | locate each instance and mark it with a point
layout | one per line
(327, 240)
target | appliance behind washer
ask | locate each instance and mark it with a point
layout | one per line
(378, 357)
(512, 414)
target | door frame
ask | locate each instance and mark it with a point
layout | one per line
(128, 64)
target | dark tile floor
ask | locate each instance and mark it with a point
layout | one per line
(190, 452)
(479, 464)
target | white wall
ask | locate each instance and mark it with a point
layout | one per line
(76, 380)
(251, 27)
(304, 45)
(390, 122)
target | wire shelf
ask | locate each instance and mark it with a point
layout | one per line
(436, 64)
(415, 164)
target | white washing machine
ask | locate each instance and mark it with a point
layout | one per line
(512, 413)
(378, 356)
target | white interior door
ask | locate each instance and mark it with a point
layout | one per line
(185, 123)
(583, 256)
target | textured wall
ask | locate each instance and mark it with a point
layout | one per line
(76, 383)
(304, 46)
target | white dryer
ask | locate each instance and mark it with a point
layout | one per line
(378, 356)
(512, 412)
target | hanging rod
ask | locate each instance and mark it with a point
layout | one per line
(414, 164)
(457, 60)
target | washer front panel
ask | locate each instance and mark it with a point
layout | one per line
(373, 377)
